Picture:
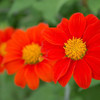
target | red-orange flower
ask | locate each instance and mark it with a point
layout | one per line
(24, 57)
(5, 35)
(75, 43)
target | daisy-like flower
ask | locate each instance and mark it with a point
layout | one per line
(24, 57)
(5, 35)
(75, 43)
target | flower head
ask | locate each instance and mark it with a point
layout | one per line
(75, 43)
(5, 35)
(24, 57)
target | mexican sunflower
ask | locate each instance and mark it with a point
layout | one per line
(75, 44)
(24, 57)
(5, 35)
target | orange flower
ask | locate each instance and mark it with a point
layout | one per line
(24, 58)
(5, 35)
(75, 43)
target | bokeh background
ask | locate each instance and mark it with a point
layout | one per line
(26, 13)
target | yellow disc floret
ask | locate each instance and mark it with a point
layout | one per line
(32, 54)
(75, 48)
(2, 49)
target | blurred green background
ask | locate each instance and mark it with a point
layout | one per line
(27, 13)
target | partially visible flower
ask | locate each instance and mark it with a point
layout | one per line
(5, 35)
(24, 57)
(75, 43)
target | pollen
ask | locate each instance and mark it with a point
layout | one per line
(2, 49)
(75, 48)
(32, 54)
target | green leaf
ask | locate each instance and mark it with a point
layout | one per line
(30, 20)
(4, 24)
(49, 8)
(95, 82)
(4, 5)
(77, 98)
(9, 91)
(78, 93)
(19, 5)
(94, 5)
(92, 93)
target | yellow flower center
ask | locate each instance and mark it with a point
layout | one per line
(2, 49)
(32, 54)
(75, 48)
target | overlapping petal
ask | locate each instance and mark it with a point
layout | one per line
(82, 74)
(6, 34)
(1, 65)
(95, 52)
(55, 36)
(44, 71)
(20, 78)
(60, 68)
(91, 19)
(64, 79)
(14, 66)
(94, 64)
(91, 31)
(77, 25)
(31, 78)
(46, 46)
(19, 39)
(55, 54)
(63, 25)
(35, 33)
(94, 41)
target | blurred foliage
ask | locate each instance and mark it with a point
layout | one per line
(47, 91)
(94, 6)
(27, 13)
(23, 13)
(92, 93)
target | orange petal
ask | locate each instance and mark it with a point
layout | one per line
(64, 79)
(55, 53)
(82, 74)
(20, 38)
(20, 78)
(94, 64)
(60, 68)
(94, 42)
(91, 19)
(35, 33)
(31, 78)
(77, 24)
(1, 66)
(44, 71)
(55, 36)
(91, 31)
(63, 25)
(95, 52)
(13, 66)
(8, 33)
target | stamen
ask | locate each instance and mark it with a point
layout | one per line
(32, 54)
(75, 48)
(2, 49)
